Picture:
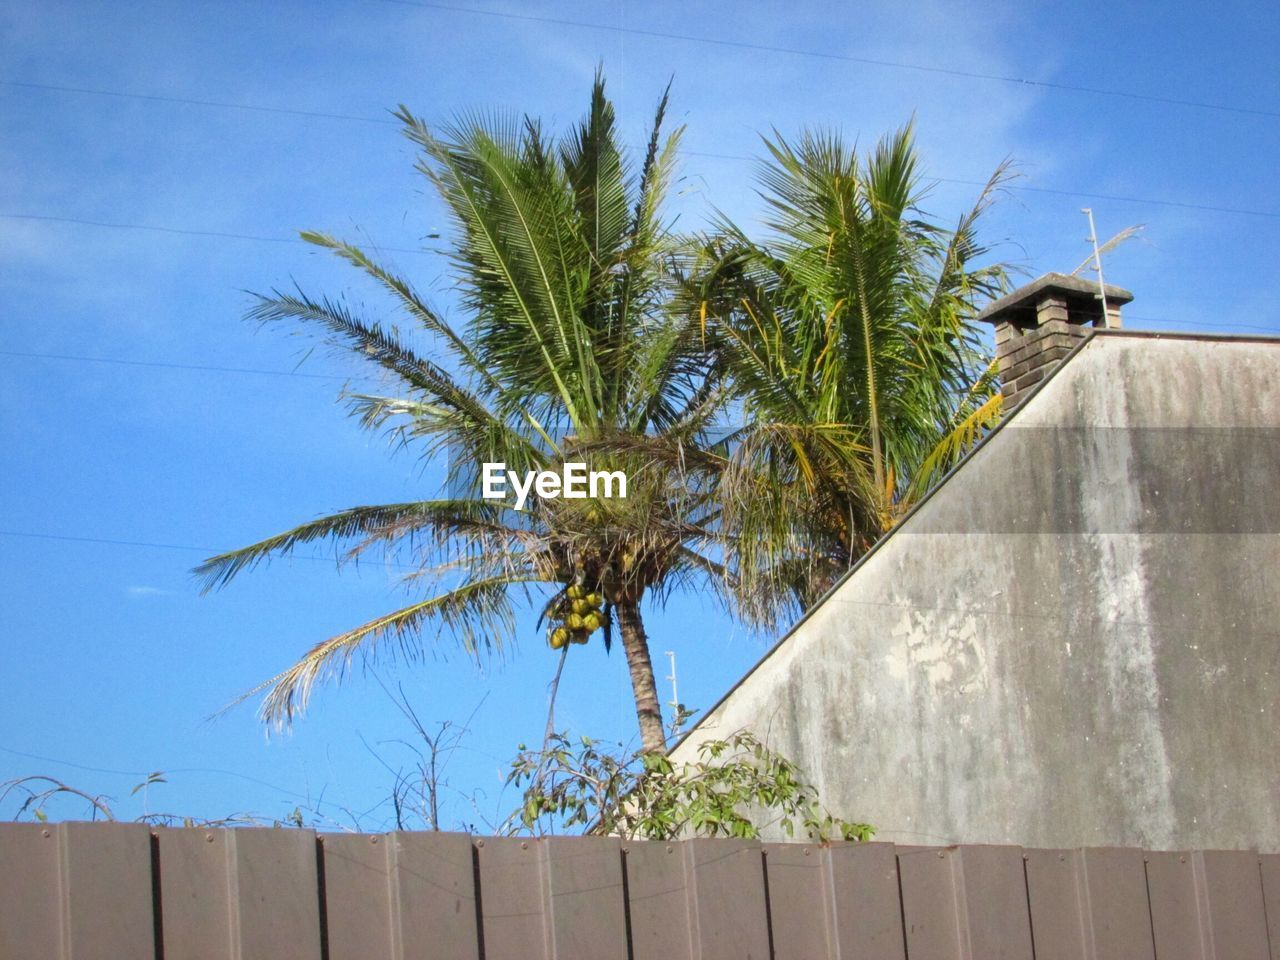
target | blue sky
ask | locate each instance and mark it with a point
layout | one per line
(205, 432)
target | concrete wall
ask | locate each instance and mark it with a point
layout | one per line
(1076, 639)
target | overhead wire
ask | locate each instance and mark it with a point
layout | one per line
(841, 57)
(739, 44)
(175, 365)
(229, 105)
(207, 551)
(183, 231)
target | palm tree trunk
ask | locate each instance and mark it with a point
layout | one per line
(636, 646)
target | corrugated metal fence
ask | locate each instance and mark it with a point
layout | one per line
(78, 891)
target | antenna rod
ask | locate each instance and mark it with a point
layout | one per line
(675, 697)
(1097, 265)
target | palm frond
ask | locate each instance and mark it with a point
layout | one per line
(502, 259)
(476, 612)
(851, 318)
(1128, 233)
(370, 522)
(372, 341)
(952, 447)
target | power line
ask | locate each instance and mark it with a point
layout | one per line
(203, 368)
(1217, 325)
(142, 773)
(191, 102)
(1118, 198)
(220, 104)
(1048, 190)
(172, 365)
(182, 231)
(207, 551)
(1208, 208)
(843, 58)
(1123, 199)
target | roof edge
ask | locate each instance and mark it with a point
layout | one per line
(1184, 335)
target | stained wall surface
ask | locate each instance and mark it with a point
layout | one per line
(1076, 639)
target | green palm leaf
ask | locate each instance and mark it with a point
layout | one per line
(475, 612)
(847, 334)
(566, 271)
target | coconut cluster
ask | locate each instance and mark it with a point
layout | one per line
(578, 615)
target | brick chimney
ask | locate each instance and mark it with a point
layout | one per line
(1038, 324)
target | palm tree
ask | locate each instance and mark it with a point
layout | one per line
(564, 264)
(847, 334)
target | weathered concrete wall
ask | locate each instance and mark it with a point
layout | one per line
(1076, 639)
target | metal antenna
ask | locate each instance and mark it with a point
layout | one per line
(675, 697)
(1097, 265)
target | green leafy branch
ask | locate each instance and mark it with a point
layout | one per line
(738, 787)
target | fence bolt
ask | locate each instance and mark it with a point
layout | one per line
(669, 849)
(524, 846)
(44, 833)
(373, 839)
(941, 854)
(208, 838)
(479, 843)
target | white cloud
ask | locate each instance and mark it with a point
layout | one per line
(148, 592)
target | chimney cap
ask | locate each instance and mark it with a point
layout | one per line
(1019, 307)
